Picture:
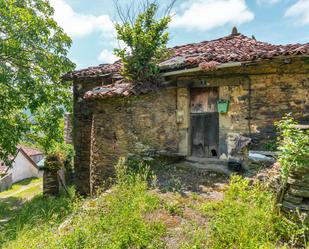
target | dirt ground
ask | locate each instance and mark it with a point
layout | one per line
(183, 189)
(183, 179)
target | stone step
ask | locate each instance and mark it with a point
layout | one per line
(209, 165)
(203, 160)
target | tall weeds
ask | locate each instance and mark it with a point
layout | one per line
(114, 220)
(247, 218)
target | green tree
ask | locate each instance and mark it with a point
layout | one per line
(33, 56)
(145, 38)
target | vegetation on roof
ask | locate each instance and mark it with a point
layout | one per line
(145, 38)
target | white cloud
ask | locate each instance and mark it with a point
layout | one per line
(300, 11)
(208, 14)
(261, 2)
(78, 24)
(107, 56)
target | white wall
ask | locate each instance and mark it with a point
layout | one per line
(22, 168)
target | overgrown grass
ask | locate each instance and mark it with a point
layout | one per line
(114, 220)
(33, 219)
(119, 218)
(247, 218)
(13, 199)
(20, 185)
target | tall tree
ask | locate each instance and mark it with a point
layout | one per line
(33, 56)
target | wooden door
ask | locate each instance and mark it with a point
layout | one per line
(204, 122)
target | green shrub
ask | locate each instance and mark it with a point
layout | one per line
(246, 218)
(293, 146)
(53, 162)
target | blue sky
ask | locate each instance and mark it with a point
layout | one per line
(90, 23)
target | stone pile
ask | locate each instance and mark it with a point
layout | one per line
(297, 190)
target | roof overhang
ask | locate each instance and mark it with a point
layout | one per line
(226, 65)
(198, 69)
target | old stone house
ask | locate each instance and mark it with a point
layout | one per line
(212, 93)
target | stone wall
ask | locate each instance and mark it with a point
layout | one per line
(131, 125)
(82, 122)
(68, 128)
(297, 190)
(259, 94)
(272, 97)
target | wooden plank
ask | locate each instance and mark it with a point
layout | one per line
(204, 100)
(205, 134)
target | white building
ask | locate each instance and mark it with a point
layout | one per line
(24, 165)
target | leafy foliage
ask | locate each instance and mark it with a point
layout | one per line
(145, 39)
(33, 56)
(60, 155)
(293, 146)
(53, 162)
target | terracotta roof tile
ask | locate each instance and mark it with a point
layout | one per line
(30, 151)
(117, 89)
(232, 48)
(207, 55)
(102, 70)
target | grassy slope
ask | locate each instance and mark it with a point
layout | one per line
(20, 192)
(132, 216)
(22, 185)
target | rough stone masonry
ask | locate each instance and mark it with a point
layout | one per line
(262, 82)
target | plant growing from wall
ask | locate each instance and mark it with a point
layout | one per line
(53, 162)
(293, 148)
(60, 155)
(145, 38)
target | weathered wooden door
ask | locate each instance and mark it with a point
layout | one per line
(204, 122)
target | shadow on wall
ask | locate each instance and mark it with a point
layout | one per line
(6, 182)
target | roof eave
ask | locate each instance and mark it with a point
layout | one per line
(198, 69)
(226, 65)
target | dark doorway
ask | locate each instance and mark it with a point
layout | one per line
(204, 122)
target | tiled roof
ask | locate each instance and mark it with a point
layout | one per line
(26, 150)
(206, 54)
(112, 90)
(30, 151)
(4, 167)
(232, 48)
(102, 70)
